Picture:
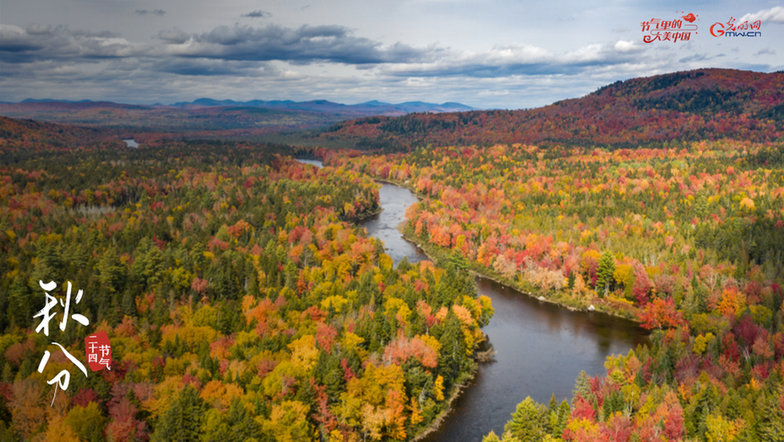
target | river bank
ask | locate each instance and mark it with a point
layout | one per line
(561, 299)
(444, 414)
(558, 298)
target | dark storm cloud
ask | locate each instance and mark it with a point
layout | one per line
(43, 43)
(89, 34)
(174, 36)
(302, 45)
(257, 14)
(158, 12)
(207, 67)
(244, 50)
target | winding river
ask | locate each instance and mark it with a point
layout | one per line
(540, 346)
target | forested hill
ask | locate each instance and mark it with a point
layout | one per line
(693, 105)
(13, 131)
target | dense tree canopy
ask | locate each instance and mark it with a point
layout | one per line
(687, 240)
(240, 301)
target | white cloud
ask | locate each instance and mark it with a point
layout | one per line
(772, 15)
(514, 53)
(626, 46)
(517, 59)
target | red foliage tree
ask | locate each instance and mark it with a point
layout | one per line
(660, 314)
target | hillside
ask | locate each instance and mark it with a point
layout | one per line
(169, 119)
(692, 105)
(29, 138)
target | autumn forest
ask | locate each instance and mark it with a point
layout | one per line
(244, 302)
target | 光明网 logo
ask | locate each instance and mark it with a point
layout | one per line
(730, 29)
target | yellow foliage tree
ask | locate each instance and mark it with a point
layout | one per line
(59, 432)
(720, 429)
(438, 388)
(701, 343)
(416, 415)
(288, 422)
(304, 353)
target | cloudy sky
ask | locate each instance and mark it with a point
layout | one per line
(507, 54)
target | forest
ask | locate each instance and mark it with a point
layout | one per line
(241, 301)
(687, 240)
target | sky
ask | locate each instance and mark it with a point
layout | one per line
(489, 54)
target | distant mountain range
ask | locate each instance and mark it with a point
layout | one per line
(213, 117)
(369, 108)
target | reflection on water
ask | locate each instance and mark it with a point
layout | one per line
(541, 347)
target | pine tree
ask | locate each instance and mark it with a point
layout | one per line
(564, 412)
(770, 422)
(111, 270)
(182, 421)
(581, 385)
(527, 421)
(492, 437)
(605, 274)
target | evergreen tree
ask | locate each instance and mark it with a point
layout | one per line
(605, 274)
(770, 422)
(527, 421)
(111, 270)
(182, 421)
(581, 385)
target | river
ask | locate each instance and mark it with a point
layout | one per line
(540, 346)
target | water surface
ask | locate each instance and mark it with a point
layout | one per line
(395, 200)
(541, 349)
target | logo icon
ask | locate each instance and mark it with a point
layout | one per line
(730, 29)
(99, 351)
(669, 30)
(717, 29)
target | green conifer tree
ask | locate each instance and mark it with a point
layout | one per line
(605, 274)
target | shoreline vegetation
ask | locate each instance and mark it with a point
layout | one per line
(684, 240)
(480, 356)
(458, 388)
(439, 254)
(462, 384)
